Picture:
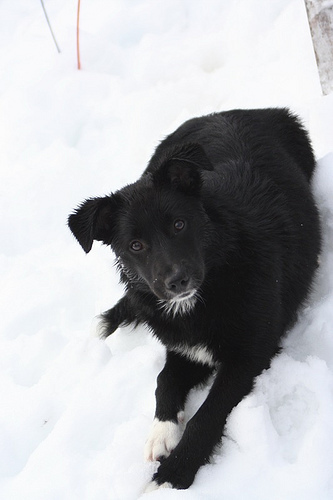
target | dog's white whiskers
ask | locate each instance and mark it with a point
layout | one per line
(200, 298)
(178, 305)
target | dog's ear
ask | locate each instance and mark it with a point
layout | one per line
(181, 168)
(94, 220)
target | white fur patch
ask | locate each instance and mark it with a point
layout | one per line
(179, 305)
(163, 438)
(197, 353)
(153, 486)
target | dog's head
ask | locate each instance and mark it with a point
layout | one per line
(157, 227)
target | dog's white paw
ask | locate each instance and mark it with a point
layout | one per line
(153, 486)
(163, 438)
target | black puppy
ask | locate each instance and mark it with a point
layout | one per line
(216, 244)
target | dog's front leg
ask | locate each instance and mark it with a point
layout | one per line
(174, 382)
(121, 314)
(204, 431)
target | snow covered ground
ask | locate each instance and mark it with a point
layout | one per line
(75, 411)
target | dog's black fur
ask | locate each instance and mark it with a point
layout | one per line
(217, 244)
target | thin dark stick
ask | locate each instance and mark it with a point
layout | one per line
(48, 22)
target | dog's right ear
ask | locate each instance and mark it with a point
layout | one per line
(181, 168)
(94, 220)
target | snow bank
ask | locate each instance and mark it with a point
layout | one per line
(76, 411)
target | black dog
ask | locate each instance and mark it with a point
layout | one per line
(216, 244)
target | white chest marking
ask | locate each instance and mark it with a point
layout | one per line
(197, 353)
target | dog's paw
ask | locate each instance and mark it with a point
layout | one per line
(153, 486)
(163, 438)
(176, 471)
(108, 323)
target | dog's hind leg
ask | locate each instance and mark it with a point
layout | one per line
(119, 315)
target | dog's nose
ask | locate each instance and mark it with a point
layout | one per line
(177, 282)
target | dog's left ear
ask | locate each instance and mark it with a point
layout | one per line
(181, 169)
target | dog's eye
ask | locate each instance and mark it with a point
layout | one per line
(136, 246)
(179, 224)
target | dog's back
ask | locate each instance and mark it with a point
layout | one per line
(245, 133)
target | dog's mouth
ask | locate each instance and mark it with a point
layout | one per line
(185, 295)
(181, 304)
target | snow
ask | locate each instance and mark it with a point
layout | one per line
(75, 411)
